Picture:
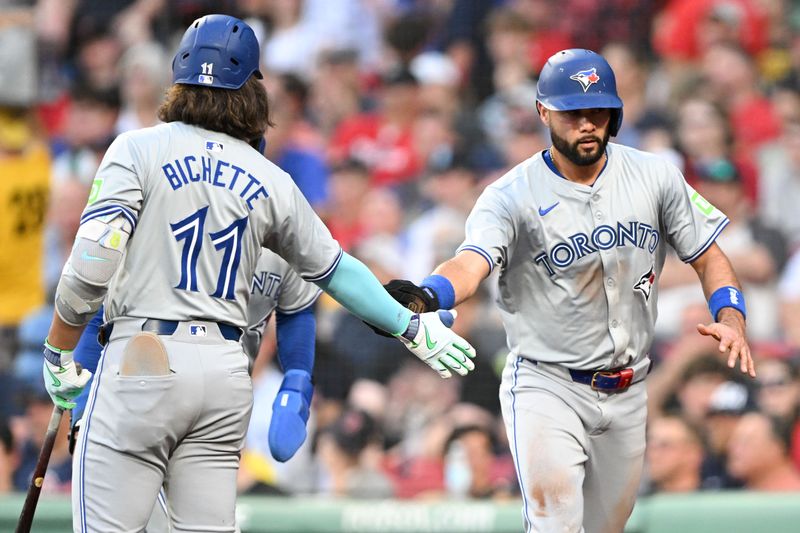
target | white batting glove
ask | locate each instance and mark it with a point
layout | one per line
(429, 337)
(63, 379)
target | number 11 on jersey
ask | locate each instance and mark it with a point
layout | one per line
(190, 230)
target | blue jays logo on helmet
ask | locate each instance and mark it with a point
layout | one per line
(586, 77)
(579, 79)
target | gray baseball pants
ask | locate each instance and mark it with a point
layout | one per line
(578, 452)
(184, 430)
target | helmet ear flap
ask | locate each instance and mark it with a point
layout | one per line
(615, 123)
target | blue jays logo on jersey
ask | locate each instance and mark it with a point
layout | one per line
(214, 146)
(586, 78)
(646, 282)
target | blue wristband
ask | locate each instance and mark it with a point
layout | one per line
(442, 288)
(727, 296)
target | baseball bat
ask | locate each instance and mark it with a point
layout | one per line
(32, 497)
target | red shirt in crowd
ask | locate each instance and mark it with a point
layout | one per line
(386, 149)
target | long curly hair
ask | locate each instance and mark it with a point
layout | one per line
(241, 113)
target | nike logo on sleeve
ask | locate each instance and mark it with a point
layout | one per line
(86, 257)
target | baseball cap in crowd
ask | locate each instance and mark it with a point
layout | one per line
(435, 68)
(398, 75)
(730, 398)
(447, 158)
(353, 431)
(717, 171)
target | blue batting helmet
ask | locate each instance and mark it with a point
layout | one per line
(217, 51)
(580, 79)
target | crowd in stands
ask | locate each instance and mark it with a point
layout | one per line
(392, 116)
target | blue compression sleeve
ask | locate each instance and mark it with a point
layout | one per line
(87, 353)
(359, 291)
(296, 333)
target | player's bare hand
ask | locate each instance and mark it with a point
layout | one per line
(729, 331)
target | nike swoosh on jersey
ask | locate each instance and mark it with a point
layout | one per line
(86, 257)
(543, 212)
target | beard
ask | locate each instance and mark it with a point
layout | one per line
(575, 154)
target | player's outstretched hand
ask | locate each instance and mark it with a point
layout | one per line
(287, 429)
(730, 333)
(429, 337)
(65, 380)
(409, 295)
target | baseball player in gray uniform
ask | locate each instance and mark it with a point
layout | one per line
(172, 232)
(579, 233)
(275, 288)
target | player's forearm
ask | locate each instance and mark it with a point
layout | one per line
(715, 271)
(465, 272)
(359, 291)
(63, 335)
(296, 333)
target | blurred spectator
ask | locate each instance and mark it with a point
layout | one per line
(348, 186)
(632, 76)
(341, 448)
(32, 332)
(97, 58)
(789, 290)
(593, 24)
(778, 385)
(8, 458)
(686, 27)
(292, 44)
(731, 76)
(687, 381)
(24, 187)
(759, 454)
(463, 39)
(704, 137)
(381, 217)
(382, 140)
(24, 193)
(545, 37)
(435, 235)
(779, 183)
(58, 478)
(293, 143)
(406, 36)
(62, 224)
(756, 251)
(347, 25)
(470, 466)
(144, 78)
(418, 423)
(508, 37)
(89, 128)
(336, 91)
(685, 371)
(674, 455)
(374, 357)
(728, 403)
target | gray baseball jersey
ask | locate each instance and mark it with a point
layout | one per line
(274, 286)
(202, 205)
(213, 202)
(579, 263)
